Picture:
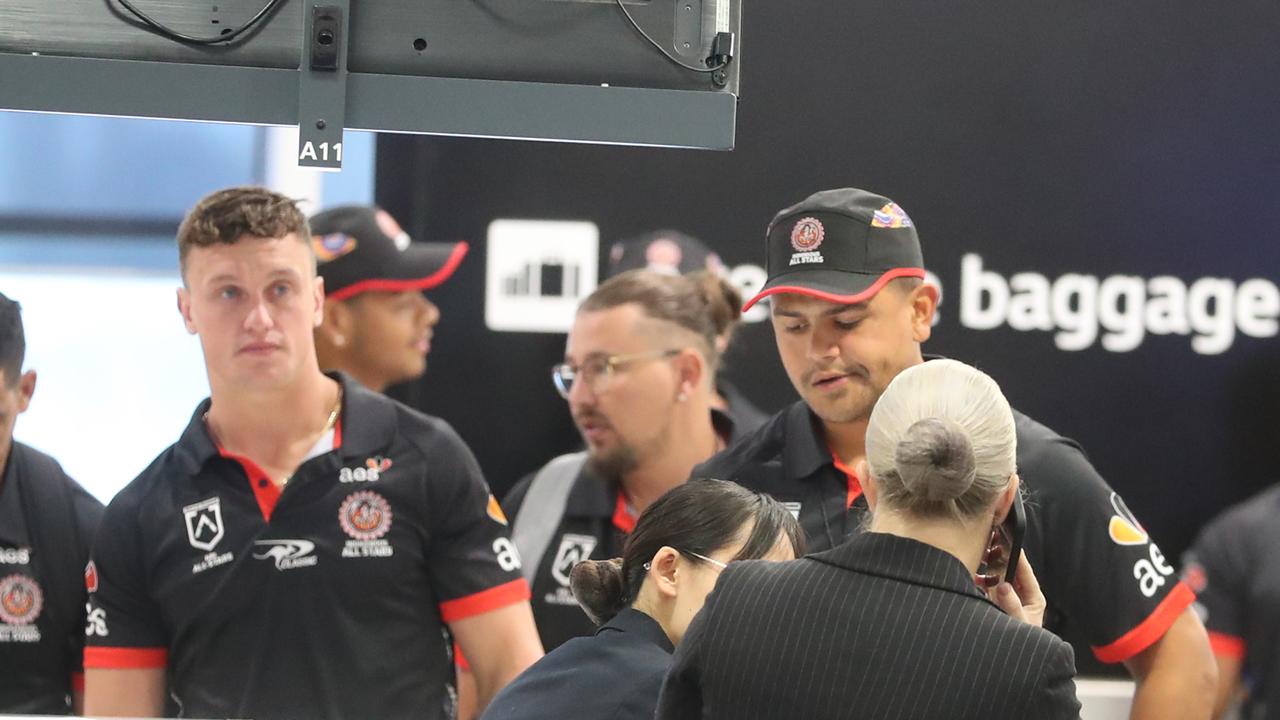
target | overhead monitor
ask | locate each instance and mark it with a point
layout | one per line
(653, 72)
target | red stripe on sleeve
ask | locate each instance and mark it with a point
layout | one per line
(113, 658)
(495, 597)
(77, 682)
(1149, 630)
(1226, 645)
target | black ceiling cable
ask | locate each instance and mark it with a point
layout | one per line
(693, 68)
(225, 37)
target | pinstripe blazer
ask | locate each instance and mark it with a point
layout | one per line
(879, 627)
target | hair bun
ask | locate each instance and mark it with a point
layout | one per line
(935, 460)
(599, 588)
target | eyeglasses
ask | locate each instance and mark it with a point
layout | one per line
(596, 372)
(704, 558)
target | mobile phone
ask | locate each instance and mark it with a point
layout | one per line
(1013, 529)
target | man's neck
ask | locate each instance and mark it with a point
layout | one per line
(693, 440)
(266, 425)
(847, 441)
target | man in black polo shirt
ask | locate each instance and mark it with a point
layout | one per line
(850, 310)
(46, 523)
(638, 373)
(308, 548)
(1235, 570)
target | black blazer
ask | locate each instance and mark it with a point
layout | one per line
(879, 627)
(614, 674)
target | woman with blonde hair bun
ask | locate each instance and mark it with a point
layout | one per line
(891, 624)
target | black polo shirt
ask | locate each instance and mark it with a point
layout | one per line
(596, 522)
(1108, 586)
(327, 600)
(1234, 568)
(46, 524)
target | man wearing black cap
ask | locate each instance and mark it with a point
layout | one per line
(377, 322)
(850, 309)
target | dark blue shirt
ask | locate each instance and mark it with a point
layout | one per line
(615, 674)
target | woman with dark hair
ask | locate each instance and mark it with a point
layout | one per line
(645, 601)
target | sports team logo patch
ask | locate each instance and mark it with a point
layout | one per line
(365, 515)
(495, 511)
(204, 523)
(21, 600)
(890, 216)
(91, 577)
(807, 234)
(1124, 527)
(332, 246)
(573, 550)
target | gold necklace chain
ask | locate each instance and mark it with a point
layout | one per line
(328, 425)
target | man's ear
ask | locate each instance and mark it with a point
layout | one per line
(662, 568)
(317, 290)
(26, 388)
(924, 303)
(184, 309)
(692, 369)
(337, 325)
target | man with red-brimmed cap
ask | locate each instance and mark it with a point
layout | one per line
(850, 308)
(377, 321)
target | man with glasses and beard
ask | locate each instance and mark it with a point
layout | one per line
(638, 375)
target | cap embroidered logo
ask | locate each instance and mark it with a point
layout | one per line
(807, 234)
(890, 216)
(332, 246)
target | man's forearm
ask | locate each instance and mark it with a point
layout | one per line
(1177, 676)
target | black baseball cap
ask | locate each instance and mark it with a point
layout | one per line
(360, 248)
(839, 245)
(670, 252)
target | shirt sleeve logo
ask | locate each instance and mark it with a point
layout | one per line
(21, 600)
(495, 511)
(1124, 527)
(91, 577)
(204, 523)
